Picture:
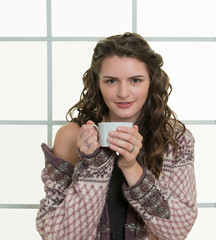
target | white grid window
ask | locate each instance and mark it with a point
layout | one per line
(45, 48)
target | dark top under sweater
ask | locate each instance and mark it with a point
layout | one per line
(117, 204)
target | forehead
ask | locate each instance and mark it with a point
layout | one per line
(120, 65)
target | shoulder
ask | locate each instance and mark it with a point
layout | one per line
(185, 142)
(67, 131)
(185, 138)
(180, 133)
(184, 155)
(65, 143)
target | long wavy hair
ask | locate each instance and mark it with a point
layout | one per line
(157, 122)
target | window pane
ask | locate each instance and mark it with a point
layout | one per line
(18, 224)
(22, 163)
(23, 84)
(70, 61)
(205, 161)
(22, 18)
(204, 227)
(191, 68)
(91, 18)
(194, 18)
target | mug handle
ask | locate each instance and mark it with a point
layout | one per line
(95, 126)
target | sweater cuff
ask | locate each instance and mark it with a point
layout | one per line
(96, 167)
(56, 162)
(141, 188)
(146, 193)
(98, 158)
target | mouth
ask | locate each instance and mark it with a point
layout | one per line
(124, 104)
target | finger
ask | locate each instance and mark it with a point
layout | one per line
(89, 145)
(132, 136)
(83, 130)
(133, 130)
(93, 146)
(123, 142)
(126, 152)
(90, 148)
(85, 136)
(88, 138)
(90, 122)
(89, 141)
(136, 127)
(87, 128)
(127, 139)
(120, 143)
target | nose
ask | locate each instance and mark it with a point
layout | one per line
(123, 90)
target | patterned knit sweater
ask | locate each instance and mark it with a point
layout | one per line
(75, 203)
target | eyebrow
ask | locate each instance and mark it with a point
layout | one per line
(108, 77)
(136, 76)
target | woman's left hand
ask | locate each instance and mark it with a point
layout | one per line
(127, 142)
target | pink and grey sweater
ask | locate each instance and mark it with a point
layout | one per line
(75, 203)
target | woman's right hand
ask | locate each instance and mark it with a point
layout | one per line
(87, 141)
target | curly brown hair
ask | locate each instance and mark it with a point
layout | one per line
(157, 123)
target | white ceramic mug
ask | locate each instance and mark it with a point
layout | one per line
(104, 129)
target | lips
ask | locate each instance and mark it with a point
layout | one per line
(124, 104)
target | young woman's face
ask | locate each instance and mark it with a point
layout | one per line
(124, 83)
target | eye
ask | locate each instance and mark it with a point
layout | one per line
(110, 81)
(135, 80)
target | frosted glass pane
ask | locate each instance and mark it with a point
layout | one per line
(205, 161)
(22, 18)
(23, 81)
(194, 18)
(70, 61)
(18, 224)
(191, 68)
(22, 161)
(91, 18)
(204, 227)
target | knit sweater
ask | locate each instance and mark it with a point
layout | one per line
(75, 203)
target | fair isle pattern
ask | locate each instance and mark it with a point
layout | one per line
(91, 168)
(57, 176)
(177, 185)
(65, 167)
(165, 208)
(55, 194)
(146, 195)
(77, 208)
(76, 217)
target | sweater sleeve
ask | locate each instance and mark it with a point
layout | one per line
(75, 197)
(168, 205)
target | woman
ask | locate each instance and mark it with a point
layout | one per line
(147, 190)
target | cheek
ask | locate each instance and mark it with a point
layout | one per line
(107, 93)
(141, 95)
